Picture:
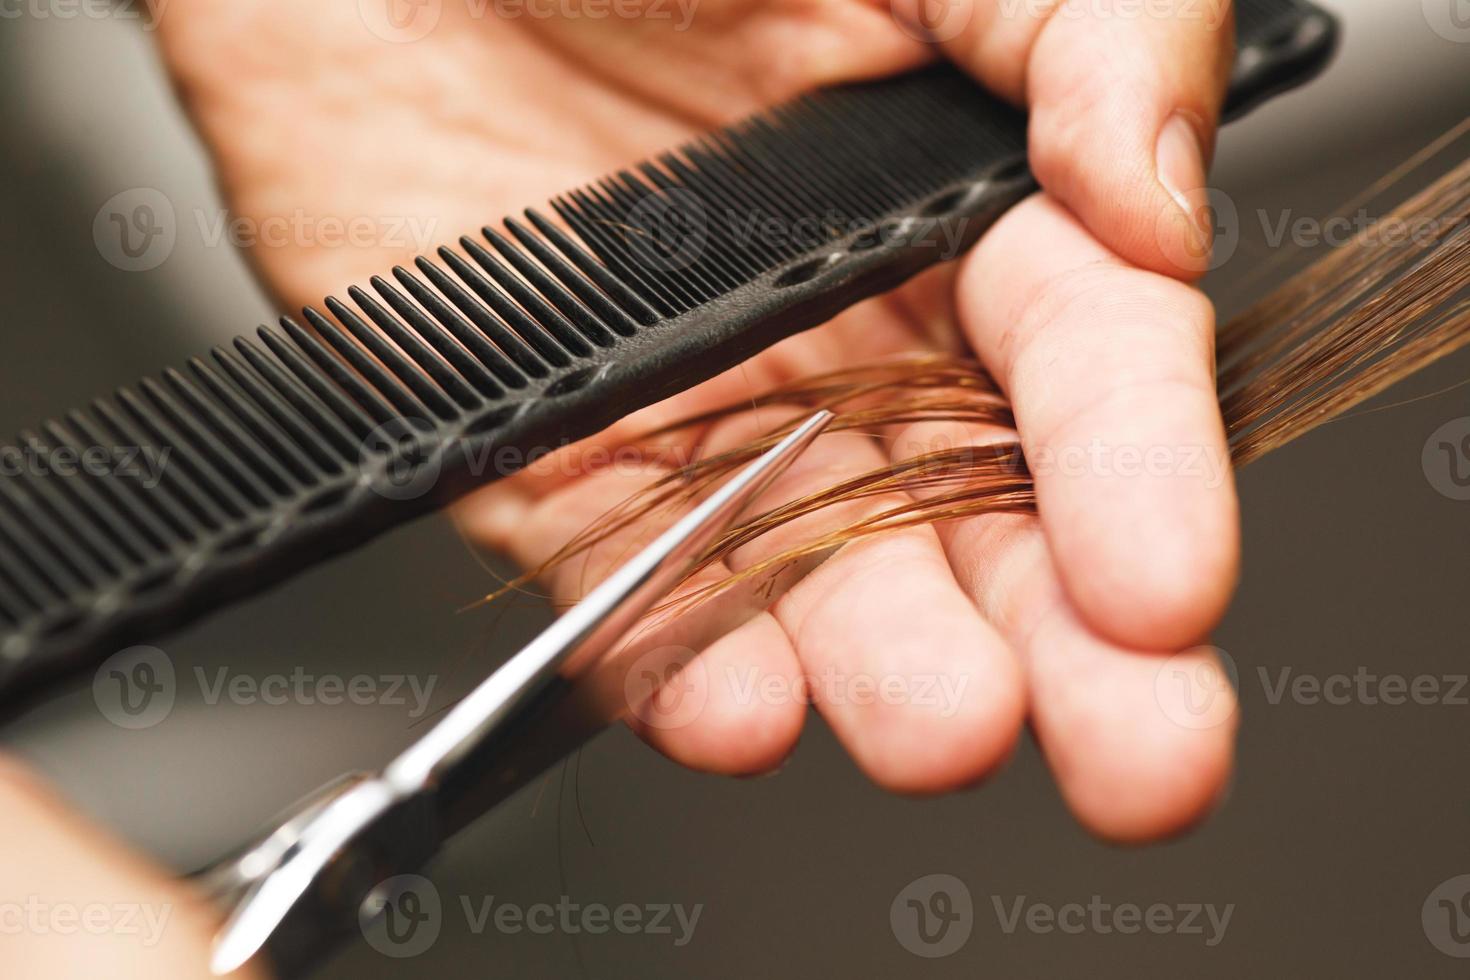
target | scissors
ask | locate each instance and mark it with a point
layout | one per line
(327, 869)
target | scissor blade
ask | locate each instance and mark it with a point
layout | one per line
(591, 627)
(515, 724)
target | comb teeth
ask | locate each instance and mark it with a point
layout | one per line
(242, 452)
(190, 489)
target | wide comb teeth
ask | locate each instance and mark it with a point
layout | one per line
(187, 490)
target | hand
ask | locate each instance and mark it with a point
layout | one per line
(1074, 301)
(78, 904)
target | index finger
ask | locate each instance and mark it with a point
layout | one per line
(1110, 370)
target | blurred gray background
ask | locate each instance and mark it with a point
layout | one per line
(1341, 821)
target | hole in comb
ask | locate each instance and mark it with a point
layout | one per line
(570, 383)
(62, 624)
(1017, 169)
(887, 233)
(238, 541)
(326, 500)
(153, 581)
(491, 421)
(945, 202)
(807, 271)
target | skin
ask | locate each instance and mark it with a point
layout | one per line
(1077, 300)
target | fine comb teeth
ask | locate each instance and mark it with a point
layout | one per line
(188, 490)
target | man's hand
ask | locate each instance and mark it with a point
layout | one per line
(1073, 301)
(79, 904)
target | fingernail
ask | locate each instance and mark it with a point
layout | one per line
(1180, 163)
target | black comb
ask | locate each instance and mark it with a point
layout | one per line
(312, 439)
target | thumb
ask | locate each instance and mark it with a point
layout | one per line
(1124, 101)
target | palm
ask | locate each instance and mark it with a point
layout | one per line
(479, 117)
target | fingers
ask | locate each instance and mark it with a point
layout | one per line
(1110, 372)
(1133, 758)
(714, 727)
(79, 904)
(922, 692)
(1137, 756)
(1124, 102)
(731, 711)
